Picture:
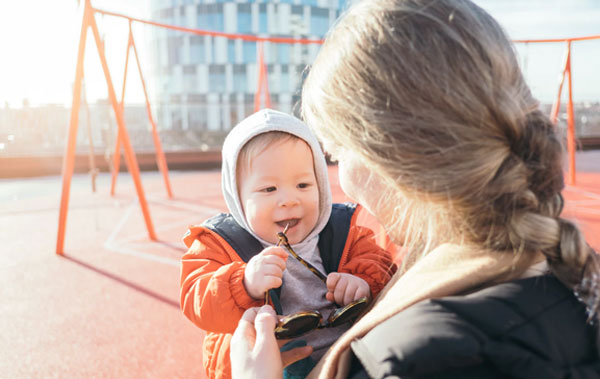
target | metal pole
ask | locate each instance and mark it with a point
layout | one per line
(160, 155)
(259, 65)
(69, 157)
(570, 121)
(117, 154)
(91, 155)
(556, 105)
(129, 154)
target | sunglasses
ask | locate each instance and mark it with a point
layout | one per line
(300, 323)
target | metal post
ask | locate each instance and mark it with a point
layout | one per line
(570, 121)
(556, 105)
(129, 154)
(69, 158)
(161, 161)
(117, 154)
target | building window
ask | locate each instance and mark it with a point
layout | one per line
(244, 18)
(298, 10)
(319, 21)
(271, 80)
(176, 119)
(263, 26)
(216, 78)
(210, 17)
(197, 52)
(284, 82)
(239, 78)
(283, 53)
(189, 78)
(249, 49)
(231, 51)
(197, 116)
(174, 47)
(248, 104)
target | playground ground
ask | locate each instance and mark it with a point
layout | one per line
(110, 306)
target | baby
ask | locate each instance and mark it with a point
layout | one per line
(274, 177)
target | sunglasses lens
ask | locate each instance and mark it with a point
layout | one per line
(297, 324)
(349, 312)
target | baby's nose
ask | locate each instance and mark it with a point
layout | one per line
(288, 199)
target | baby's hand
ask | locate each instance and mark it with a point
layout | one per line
(345, 288)
(264, 271)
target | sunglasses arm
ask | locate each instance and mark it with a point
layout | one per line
(284, 241)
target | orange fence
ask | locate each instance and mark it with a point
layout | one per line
(89, 22)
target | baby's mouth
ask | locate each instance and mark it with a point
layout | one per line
(290, 221)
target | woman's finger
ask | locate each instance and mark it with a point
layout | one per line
(245, 334)
(264, 323)
(250, 314)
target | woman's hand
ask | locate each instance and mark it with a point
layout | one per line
(264, 271)
(254, 349)
(345, 288)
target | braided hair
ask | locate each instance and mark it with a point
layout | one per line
(430, 95)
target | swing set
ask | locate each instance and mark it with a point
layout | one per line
(566, 73)
(123, 140)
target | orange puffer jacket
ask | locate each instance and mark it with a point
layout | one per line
(214, 298)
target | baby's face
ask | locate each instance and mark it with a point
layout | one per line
(278, 188)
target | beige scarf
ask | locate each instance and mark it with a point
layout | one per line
(447, 270)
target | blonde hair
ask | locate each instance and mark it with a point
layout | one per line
(429, 94)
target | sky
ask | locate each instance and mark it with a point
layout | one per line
(39, 39)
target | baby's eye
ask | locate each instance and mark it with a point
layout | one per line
(268, 189)
(304, 185)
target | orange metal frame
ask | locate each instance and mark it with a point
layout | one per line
(160, 155)
(263, 81)
(89, 21)
(69, 159)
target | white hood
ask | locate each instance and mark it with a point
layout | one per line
(268, 120)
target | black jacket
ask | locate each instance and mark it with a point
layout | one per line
(526, 328)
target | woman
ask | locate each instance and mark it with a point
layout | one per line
(437, 134)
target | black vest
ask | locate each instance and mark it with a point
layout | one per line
(332, 239)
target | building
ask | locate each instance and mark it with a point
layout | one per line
(207, 84)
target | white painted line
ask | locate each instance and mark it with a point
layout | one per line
(121, 223)
(112, 246)
(138, 236)
(185, 206)
(127, 251)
